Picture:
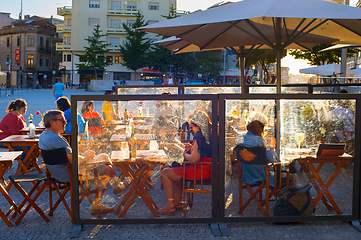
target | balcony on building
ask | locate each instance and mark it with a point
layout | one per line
(122, 12)
(113, 48)
(66, 45)
(60, 28)
(67, 28)
(117, 30)
(59, 46)
(61, 11)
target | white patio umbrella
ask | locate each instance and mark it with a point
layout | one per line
(328, 70)
(3, 74)
(275, 23)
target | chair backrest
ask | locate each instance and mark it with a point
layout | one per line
(54, 157)
(252, 155)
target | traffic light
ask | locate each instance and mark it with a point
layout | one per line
(172, 69)
(255, 71)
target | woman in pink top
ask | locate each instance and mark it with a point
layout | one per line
(13, 122)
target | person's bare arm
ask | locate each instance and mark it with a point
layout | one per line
(54, 92)
(114, 116)
(194, 156)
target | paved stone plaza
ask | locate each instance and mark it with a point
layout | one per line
(60, 227)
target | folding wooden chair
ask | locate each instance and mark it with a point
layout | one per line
(28, 196)
(58, 157)
(87, 186)
(253, 156)
(202, 169)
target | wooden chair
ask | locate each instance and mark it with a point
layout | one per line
(254, 156)
(59, 157)
(202, 169)
(41, 182)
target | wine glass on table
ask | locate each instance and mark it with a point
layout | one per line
(299, 137)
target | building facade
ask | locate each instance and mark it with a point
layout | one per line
(30, 59)
(80, 20)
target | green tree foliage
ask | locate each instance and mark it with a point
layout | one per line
(263, 57)
(134, 51)
(208, 63)
(315, 57)
(94, 56)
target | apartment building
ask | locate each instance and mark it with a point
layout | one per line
(80, 20)
(34, 52)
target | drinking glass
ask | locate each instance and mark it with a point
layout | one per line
(299, 137)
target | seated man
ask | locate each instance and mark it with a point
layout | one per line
(51, 139)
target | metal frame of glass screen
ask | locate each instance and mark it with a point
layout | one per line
(212, 219)
(357, 167)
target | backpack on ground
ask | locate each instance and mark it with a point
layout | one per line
(293, 201)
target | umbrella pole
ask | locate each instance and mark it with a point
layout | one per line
(241, 69)
(278, 72)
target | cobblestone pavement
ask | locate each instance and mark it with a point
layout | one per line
(60, 226)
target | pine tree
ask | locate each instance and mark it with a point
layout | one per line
(94, 57)
(134, 51)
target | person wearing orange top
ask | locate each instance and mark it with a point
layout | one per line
(95, 122)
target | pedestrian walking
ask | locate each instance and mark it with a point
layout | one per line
(58, 89)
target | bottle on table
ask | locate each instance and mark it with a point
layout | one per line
(133, 146)
(126, 115)
(31, 129)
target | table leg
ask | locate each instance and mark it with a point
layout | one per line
(138, 180)
(327, 185)
(306, 170)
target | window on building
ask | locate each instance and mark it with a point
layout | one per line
(109, 59)
(94, 3)
(115, 23)
(117, 59)
(153, 6)
(8, 42)
(30, 61)
(68, 57)
(132, 6)
(18, 41)
(68, 22)
(93, 21)
(67, 39)
(47, 61)
(64, 58)
(41, 43)
(152, 22)
(47, 43)
(130, 23)
(31, 40)
(7, 58)
(41, 60)
(114, 42)
(116, 5)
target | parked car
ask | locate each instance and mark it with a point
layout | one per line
(194, 81)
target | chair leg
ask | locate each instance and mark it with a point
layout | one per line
(31, 201)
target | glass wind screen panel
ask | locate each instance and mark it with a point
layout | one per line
(154, 130)
(147, 90)
(211, 90)
(262, 89)
(294, 90)
(240, 113)
(335, 90)
(305, 124)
